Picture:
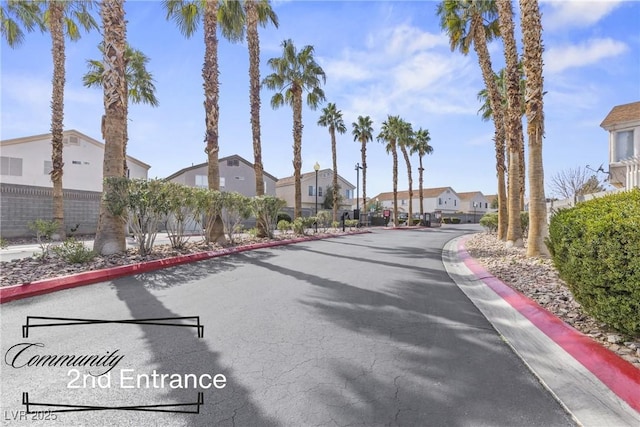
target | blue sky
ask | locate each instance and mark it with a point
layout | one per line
(379, 57)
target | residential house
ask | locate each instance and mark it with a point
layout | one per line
(27, 161)
(623, 125)
(26, 190)
(475, 203)
(443, 199)
(285, 189)
(236, 175)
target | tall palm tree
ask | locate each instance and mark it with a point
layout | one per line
(406, 138)
(253, 13)
(140, 87)
(532, 62)
(295, 73)
(60, 19)
(110, 235)
(389, 136)
(421, 147)
(513, 123)
(16, 17)
(363, 132)
(474, 22)
(187, 15)
(332, 118)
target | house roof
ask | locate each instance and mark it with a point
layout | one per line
(220, 160)
(621, 114)
(73, 132)
(282, 182)
(426, 192)
(491, 197)
(468, 195)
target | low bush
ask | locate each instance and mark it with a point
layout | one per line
(595, 248)
(283, 216)
(44, 230)
(490, 222)
(455, 220)
(74, 252)
(446, 220)
(284, 226)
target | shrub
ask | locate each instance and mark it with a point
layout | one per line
(446, 220)
(266, 210)
(350, 223)
(524, 222)
(284, 226)
(283, 216)
(595, 248)
(44, 231)
(490, 222)
(335, 224)
(455, 220)
(3, 243)
(74, 252)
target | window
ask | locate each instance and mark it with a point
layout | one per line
(76, 162)
(264, 182)
(48, 167)
(222, 182)
(11, 166)
(202, 181)
(233, 162)
(349, 193)
(455, 202)
(623, 146)
(439, 200)
(486, 205)
(311, 192)
(404, 202)
(240, 178)
(320, 191)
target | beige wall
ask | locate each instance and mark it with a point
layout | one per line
(325, 179)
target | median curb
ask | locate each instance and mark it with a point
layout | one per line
(620, 376)
(45, 286)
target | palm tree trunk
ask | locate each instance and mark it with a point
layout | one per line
(532, 61)
(421, 171)
(394, 154)
(334, 156)
(110, 235)
(56, 15)
(212, 112)
(364, 177)
(409, 175)
(253, 43)
(484, 58)
(297, 151)
(514, 121)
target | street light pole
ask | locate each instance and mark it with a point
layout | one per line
(316, 168)
(358, 167)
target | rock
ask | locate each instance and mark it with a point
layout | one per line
(614, 338)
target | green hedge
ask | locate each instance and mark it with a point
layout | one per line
(596, 249)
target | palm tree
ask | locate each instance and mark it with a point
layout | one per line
(332, 118)
(255, 12)
(406, 138)
(475, 22)
(513, 123)
(110, 236)
(363, 132)
(140, 87)
(17, 17)
(295, 73)
(60, 19)
(532, 62)
(187, 14)
(389, 135)
(421, 147)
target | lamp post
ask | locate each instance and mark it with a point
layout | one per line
(475, 204)
(316, 168)
(358, 167)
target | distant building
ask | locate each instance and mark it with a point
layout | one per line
(474, 202)
(623, 125)
(26, 190)
(27, 161)
(285, 190)
(236, 175)
(444, 199)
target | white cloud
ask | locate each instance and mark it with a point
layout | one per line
(558, 59)
(576, 13)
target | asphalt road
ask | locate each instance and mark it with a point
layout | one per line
(359, 330)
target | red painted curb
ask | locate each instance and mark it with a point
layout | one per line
(616, 373)
(45, 286)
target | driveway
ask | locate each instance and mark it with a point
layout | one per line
(358, 330)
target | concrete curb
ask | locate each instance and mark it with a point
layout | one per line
(45, 286)
(616, 373)
(595, 385)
